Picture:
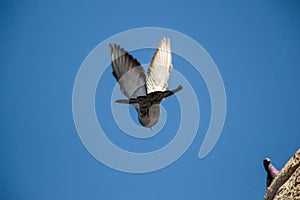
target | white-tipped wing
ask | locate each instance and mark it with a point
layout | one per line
(128, 72)
(160, 68)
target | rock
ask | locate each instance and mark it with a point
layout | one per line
(286, 185)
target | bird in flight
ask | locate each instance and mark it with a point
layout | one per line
(144, 91)
(271, 171)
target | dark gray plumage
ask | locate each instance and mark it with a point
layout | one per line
(271, 171)
(144, 91)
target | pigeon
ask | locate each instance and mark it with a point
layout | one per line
(271, 171)
(144, 91)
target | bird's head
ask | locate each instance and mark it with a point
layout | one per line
(151, 117)
(269, 167)
(266, 163)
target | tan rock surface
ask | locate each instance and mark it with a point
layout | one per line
(286, 185)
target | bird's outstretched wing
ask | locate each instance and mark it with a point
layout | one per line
(160, 68)
(128, 72)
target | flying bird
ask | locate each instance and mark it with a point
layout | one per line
(144, 91)
(271, 171)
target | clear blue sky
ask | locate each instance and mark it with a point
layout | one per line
(255, 45)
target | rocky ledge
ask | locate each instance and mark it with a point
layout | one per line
(286, 185)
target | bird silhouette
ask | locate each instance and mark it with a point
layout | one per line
(144, 91)
(271, 171)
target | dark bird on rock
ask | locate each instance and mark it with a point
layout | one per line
(144, 91)
(271, 171)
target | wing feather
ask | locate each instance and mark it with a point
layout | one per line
(128, 72)
(160, 68)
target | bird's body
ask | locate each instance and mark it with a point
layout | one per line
(144, 91)
(271, 171)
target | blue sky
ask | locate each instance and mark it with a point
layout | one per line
(255, 45)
